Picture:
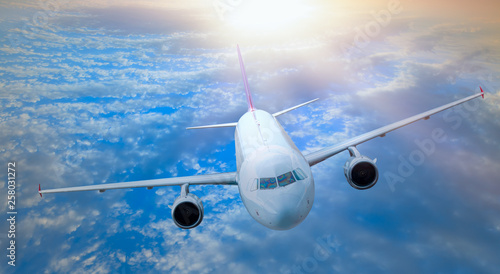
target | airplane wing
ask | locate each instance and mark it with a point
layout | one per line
(325, 153)
(228, 178)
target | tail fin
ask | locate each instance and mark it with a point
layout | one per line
(247, 90)
(245, 81)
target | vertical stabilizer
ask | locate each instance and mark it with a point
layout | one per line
(245, 81)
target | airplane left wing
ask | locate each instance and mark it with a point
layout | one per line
(228, 178)
(325, 153)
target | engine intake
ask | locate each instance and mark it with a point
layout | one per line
(187, 211)
(360, 171)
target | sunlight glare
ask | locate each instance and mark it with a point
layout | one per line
(268, 16)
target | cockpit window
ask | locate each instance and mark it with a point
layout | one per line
(299, 174)
(285, 179)
(254, 185)
(267, 183)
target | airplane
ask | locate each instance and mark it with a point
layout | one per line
(274, 178)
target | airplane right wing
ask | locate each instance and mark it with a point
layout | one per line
(228, 178)
(325, 153)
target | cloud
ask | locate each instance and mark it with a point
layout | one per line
(103, 92)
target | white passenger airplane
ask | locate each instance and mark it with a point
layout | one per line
(274, 178)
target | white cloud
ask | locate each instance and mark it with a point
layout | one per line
(92, 102)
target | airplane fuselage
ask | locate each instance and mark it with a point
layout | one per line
(274, 179)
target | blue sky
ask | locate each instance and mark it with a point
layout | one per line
(102, 91)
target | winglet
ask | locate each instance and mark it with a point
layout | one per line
(39, 190)
(245, 81)
(482, 92)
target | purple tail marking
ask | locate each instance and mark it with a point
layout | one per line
(245, 81)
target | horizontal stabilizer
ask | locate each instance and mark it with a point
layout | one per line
(215, 126)
(292, 108)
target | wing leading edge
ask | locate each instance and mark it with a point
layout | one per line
(325, 153)
(228, 178)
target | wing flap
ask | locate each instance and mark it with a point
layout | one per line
(210, 179)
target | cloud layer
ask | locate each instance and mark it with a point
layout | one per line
(102, 92)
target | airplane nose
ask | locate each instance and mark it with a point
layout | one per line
(286, 221)
(287, 214)
(282, 208)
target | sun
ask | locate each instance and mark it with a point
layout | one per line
(269, 16)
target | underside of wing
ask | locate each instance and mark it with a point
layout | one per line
(210, 179)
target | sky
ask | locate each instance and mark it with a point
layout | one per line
(98, 92)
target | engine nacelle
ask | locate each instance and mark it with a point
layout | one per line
(360, 171)
(187, 211)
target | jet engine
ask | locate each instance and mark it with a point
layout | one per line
(360, 171)
(187, 211)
